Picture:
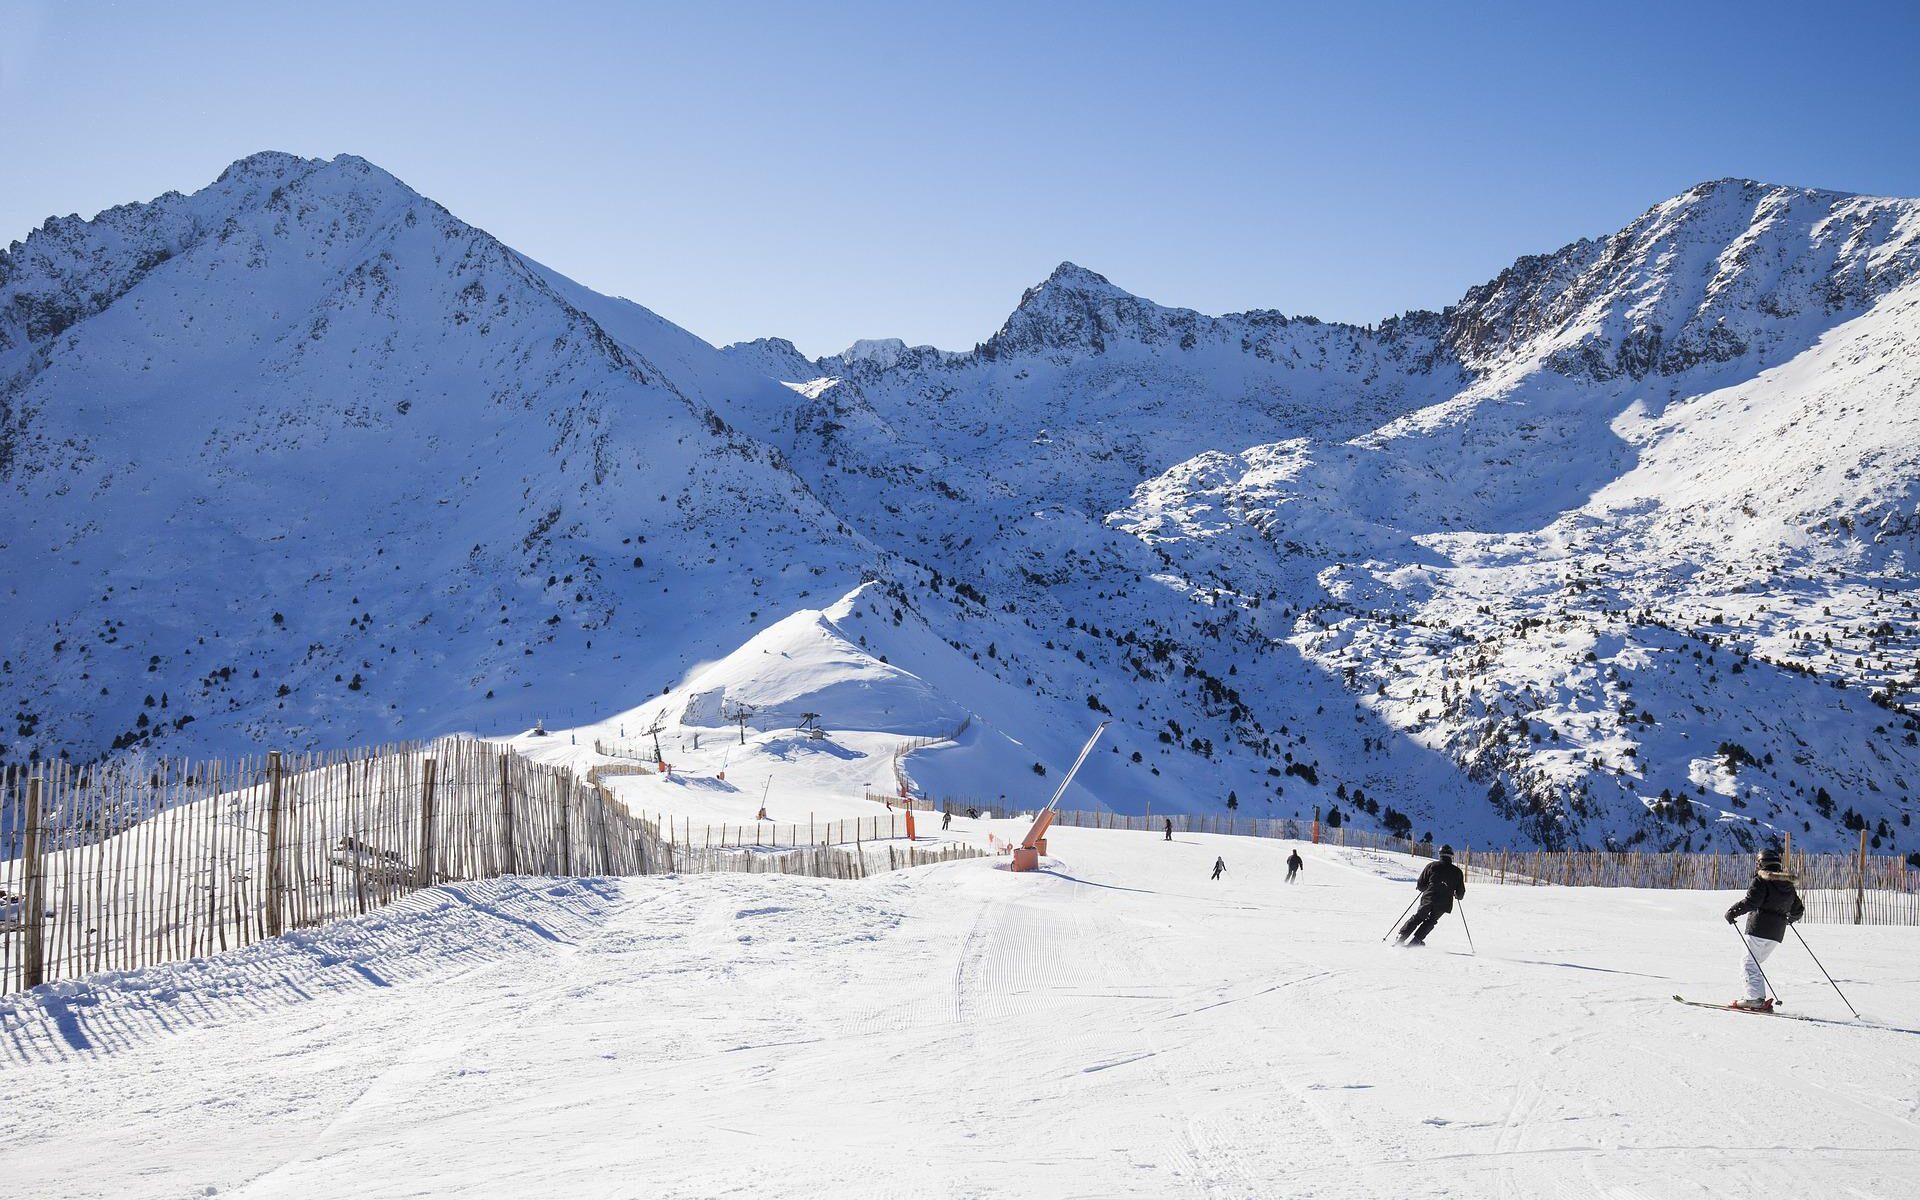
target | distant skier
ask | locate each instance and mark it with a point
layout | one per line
(1219, 867)
(1440, 885)
(1774, 905)
(1169, 836)
(946, 819)
(1294, 863)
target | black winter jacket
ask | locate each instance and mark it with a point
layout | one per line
(1773, 903)
(1441, 884)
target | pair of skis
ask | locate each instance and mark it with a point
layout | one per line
(1773, 1009)
(1775, 1012)
(1758, 1012)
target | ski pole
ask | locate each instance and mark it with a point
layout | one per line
(1756, 961)
(1823, 971)
(1467, 927)
(1398, 919)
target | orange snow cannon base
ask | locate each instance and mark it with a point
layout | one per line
(1026, 856)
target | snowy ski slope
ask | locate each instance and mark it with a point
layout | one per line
(1117, 1026)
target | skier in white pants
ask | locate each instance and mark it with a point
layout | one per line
(1773, 904)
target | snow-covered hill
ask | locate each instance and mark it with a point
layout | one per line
(1614, 550)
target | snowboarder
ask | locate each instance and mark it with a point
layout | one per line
(946, 819)
(1294, 863)
(1219, 867)
(1169, 836)
(1774, 905)
(1440, 885)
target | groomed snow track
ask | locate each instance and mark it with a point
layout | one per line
(1114, 1026)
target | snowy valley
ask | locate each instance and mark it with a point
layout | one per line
(1615, 551)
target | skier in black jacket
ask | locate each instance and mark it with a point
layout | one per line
(1440, 885)
(1169, 836)
(1773, 904)
(1294, 863)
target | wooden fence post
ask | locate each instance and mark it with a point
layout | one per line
(600, 807)
(276, 894)
(423, 873)
(506, 816)
(1860, 881)
(566, 824)
(33, 903)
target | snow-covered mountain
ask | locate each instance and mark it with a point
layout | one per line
(1614, 550)
(302, 458)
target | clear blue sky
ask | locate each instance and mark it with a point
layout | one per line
(831, 171)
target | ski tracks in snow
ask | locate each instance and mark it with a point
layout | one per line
(1119, 1027)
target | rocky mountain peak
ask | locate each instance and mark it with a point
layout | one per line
(72, 268)
(1077, 310)
(1074, 279)
(278, 166)
(1728, 268)
(882, 352)
(267, 164)
(774, 358)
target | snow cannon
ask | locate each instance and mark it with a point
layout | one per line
(1026, 856)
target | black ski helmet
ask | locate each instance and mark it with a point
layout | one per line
(1446, 852)
(1769, 860)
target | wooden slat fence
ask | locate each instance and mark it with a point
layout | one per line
(822, 860)
(902, 783)
(916, 803)
(1851, 889)
(125, 865)
(1854, 889)
(793, 835)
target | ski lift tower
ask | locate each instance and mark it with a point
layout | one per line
(1026, 856)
